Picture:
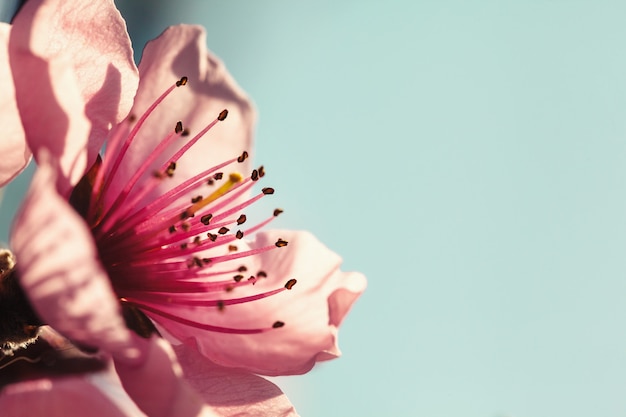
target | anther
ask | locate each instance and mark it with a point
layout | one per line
(268, 190)
(261, 171)
(218, 175)
(197, 241)
(242, 268)
(220, 305)
(239, 234)
(232, 248)
(223, 230)
(206, 218)
(289, 285)
(206, 261)
(243, 157)
(185, 226)
(277, 212)
(179, 127)
(196, 199)
(169, 171)
(261, 274)
(185, 132)
(241, 219)
(182, 81)
(281, 243)
(255, 175)
(222, 115)
(131, 118)
(278, 324)
(212, 237)
(238, 277)
(183, 246)
(172, 229)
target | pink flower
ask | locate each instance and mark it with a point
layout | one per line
(159, 224)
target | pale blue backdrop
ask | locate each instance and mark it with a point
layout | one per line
(470, 158)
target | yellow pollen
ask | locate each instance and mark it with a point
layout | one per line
(233, 179)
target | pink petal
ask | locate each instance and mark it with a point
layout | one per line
(181, 51)
(157, 385)
(70, 393)
(13, 147)
(91, 37)
(232, 392)
(312, 310)
(59, 271)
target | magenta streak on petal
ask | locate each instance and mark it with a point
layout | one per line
(203, 326)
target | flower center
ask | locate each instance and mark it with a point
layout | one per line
(177, 252)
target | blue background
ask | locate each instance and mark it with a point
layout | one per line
(470, 159)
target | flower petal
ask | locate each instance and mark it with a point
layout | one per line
(51, 390)
(157, 385)
(177, 52)
(60, 273)
(91, 35)
(232, 392)
(13, 147)
(312, 310)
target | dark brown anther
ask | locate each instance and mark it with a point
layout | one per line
(169, 171)
(228, 288)
(212, 237)
(261, 274)
(253, 279)
(172, 229)
(243, 157)
(210, 181)
(238, 277)
(232, 248)
(278, 324)
(277, 212)
(268, 190)
(241, 219)
(255, 175)
(218, 176)
(183, 246)
(182, 81)
(220, 305)
(197, 241)
(206, 219)
(206, 261)
(281, 243)
(289, 285)
(195, 199)
(222, 116)
(185, 132)
(185, 215)
(179, 127)
(197, 261)
(185, 226)
(223, 230)
(158, 175)
(242, 268)
(261, 171)
(131, 118)
(239, 234)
